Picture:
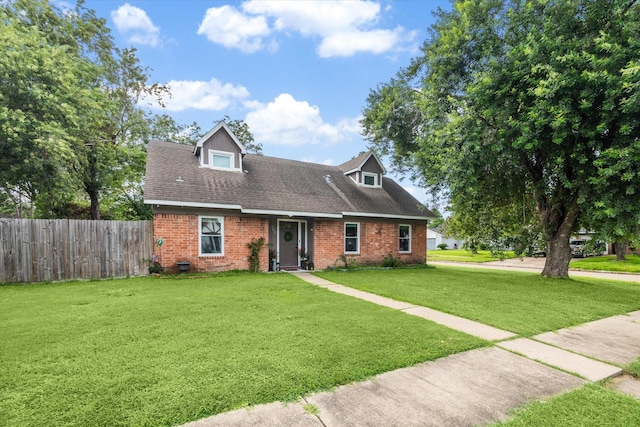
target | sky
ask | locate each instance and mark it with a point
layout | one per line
(297, 72)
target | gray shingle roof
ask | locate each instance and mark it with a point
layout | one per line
(269, 184)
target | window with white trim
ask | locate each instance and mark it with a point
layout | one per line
(352, 237)
(404, 240)
(221, 160)
(369, 179)
(211, 235)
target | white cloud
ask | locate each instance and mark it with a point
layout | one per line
(316, 17)
(343, 27)
(286, 121)
(134, 21)
(350, 43)
(200, 95)
(227, 26)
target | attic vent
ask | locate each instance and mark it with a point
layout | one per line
(179, 179)
(327, 178)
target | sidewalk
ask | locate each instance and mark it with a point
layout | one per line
(466, 389)
(532, 265)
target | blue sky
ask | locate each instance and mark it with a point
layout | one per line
(298, 72)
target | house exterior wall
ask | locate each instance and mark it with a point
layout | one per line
(220, 141)
(377, 240)
(180, 233)
(434, 239)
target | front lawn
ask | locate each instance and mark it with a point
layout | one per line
(463, 255)
(590, 406)
(524, 303)
(165, 351)
(607, 263)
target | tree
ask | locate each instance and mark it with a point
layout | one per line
(518, 99)
(241, 130)
(42, 101)
(70, 91)
(615, 215)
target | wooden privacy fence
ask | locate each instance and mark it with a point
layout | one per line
(36, 250)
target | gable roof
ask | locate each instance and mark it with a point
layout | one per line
(270, 185)
(358, 162)
(213, 131)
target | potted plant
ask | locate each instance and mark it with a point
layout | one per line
(303, 258)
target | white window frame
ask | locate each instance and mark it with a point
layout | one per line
(357, 224)
(375, 179)
(221, 221)
(400, 238)
(231, 156)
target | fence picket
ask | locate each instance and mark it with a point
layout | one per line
(34, 250)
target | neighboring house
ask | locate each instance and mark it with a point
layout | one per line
(211, 200)
(435, 238)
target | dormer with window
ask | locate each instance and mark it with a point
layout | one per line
(219, 149)
(365, 170)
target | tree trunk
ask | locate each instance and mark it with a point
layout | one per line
(558, 256)
(558, 222)
(95, 204)
(620, 248)
(92, 182)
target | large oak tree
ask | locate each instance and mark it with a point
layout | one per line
(517, 102)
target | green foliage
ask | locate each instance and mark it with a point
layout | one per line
(443, 246)
(391, 261)
(347, 261)
(241, 130)
(523, 108)
(255, 246)
(70, 115)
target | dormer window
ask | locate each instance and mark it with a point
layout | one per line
(220, 149)
(365, 170)
(221, 160)
(370, 179)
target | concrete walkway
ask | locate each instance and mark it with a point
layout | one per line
(531, 265)
(466, 389)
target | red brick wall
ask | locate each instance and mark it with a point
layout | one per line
(181, 242)
(377, 240)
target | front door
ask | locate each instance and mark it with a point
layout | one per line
(288, 244)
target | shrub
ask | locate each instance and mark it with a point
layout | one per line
(349, 262)
(443, 246)
(255, 246)
(390, 261)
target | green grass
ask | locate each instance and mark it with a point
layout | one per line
(463, 255)
(524, 303)
(608, 263)
(590, 406)
(165, 351)
(634, 368)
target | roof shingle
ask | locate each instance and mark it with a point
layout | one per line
(270, 184)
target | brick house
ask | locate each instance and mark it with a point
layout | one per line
(211, 200)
